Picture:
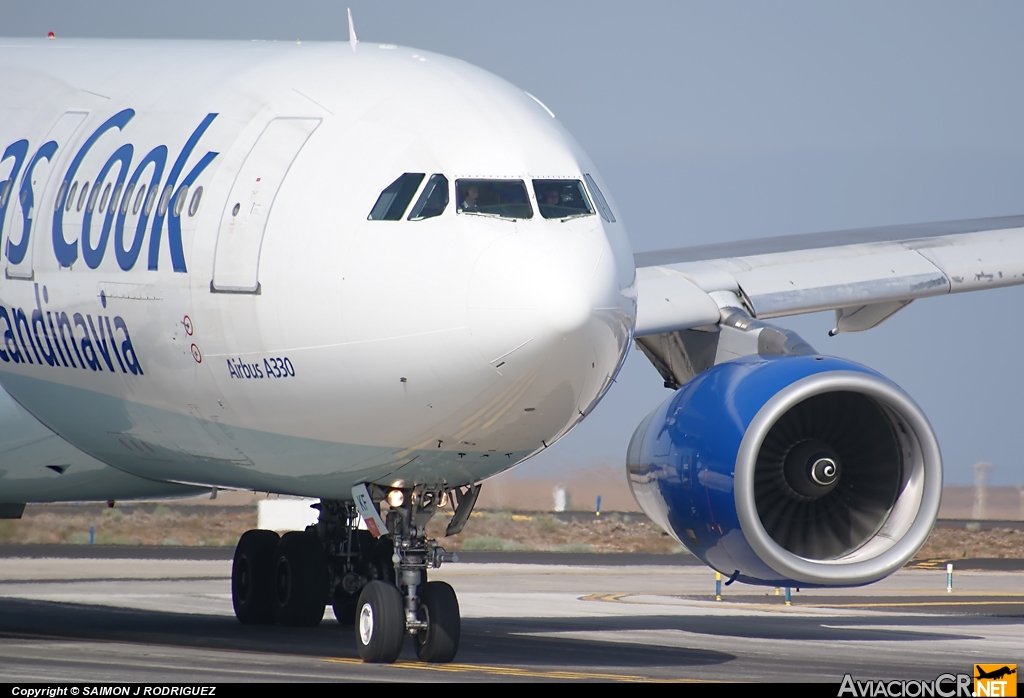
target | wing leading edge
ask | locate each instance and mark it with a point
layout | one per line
(864, 275)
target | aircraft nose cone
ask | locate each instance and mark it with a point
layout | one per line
(561, 302)
(526, 289)
(550, 308)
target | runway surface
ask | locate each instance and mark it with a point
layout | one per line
(170, 620)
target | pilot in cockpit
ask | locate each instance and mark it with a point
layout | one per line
(469, 203)
(552, 197)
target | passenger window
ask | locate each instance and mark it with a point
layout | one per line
(561, 198)
(505, 198)
(434, 199)
(115, 197)
(95, 195)
(104, 198)
(5, 190)
(71, 198)
(150, 201)
(165, 200)
(193, 207)
(139, 199)
(179, 201)
(127, 200)
(393, 201)
(82, 196)
(602, 205)
(60, 196)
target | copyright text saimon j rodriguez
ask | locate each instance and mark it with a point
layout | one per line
(54, 691)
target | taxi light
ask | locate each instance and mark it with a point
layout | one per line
(396, 498)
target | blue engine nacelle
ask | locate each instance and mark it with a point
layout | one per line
(790, 471)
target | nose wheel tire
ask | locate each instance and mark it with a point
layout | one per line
(439, 608)
(252, 573)
(380, 623)
(300, 580)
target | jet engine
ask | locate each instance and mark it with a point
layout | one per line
(790, 471)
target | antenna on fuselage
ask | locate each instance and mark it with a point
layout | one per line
(352, 40)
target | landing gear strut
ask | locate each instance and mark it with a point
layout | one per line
(378, 584)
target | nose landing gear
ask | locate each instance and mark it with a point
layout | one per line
(378, 584)
(430, 609)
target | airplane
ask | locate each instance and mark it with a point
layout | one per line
(995, 673)
(377, 276)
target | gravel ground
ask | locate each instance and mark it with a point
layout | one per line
(954, 543)
(160, 525)
(486, 530)
(498, 530)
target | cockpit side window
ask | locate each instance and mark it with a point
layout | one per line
(561, 198)
(504, 198)
(434, 199)
(393, 201)
(602, 204)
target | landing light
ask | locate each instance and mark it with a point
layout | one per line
(396, 498)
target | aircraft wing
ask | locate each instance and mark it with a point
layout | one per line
(865, 275)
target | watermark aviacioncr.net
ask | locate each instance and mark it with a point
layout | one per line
(989, 681)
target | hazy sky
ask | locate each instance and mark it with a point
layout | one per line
(725, 121)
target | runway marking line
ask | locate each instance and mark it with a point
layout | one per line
(605, 597)
(622, 598)
(493, 670)
(945, 594)
(922, 603)
(924, 564)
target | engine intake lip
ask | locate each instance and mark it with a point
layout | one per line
(910, 520)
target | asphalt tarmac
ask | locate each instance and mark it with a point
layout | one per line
(110, 618)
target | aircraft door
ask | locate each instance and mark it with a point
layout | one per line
(33, 186)
(240, 237)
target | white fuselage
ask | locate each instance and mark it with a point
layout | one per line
(267, 335)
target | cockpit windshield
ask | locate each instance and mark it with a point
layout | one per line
(434, 199)
(393, 201)
(504, 198)
(561, 198)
